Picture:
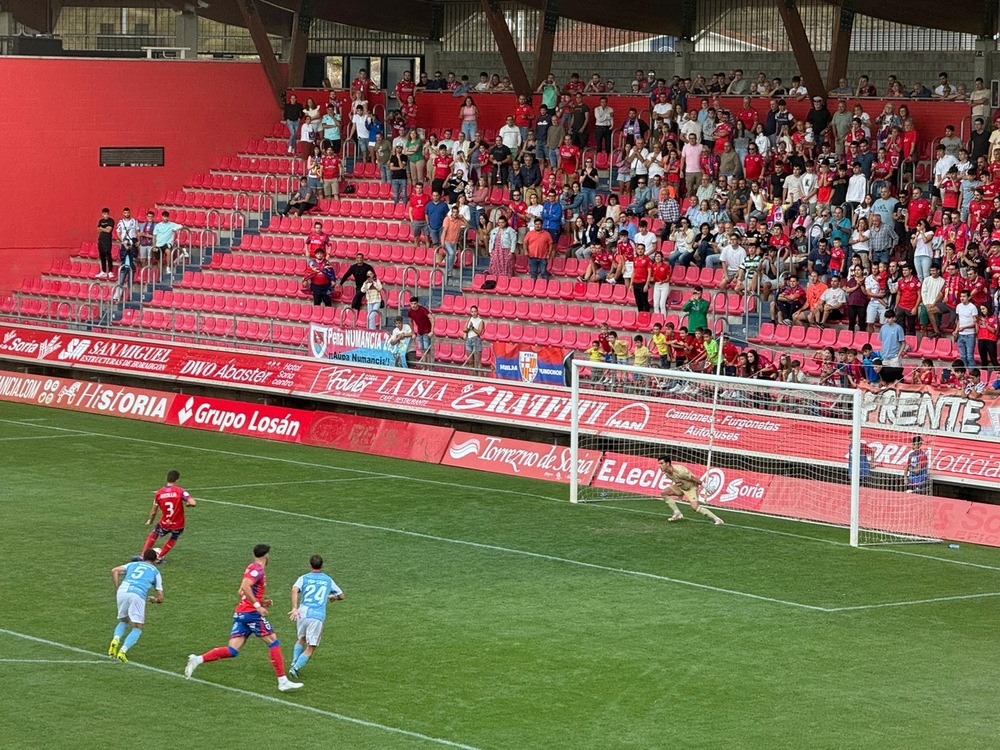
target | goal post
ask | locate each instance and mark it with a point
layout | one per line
(785, 449)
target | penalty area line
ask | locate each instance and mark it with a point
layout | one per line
(249, 693)
(935, 600)
(56, 661)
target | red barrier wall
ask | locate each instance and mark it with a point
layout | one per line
(56, 113)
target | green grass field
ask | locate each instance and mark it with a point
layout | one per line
(482, 611)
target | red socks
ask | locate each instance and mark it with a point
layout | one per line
(150, 541)
(274, 651)
(167, 547)
(222, 652)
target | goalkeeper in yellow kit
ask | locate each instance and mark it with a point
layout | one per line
(685, 485)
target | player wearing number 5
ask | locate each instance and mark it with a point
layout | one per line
(250, 618)
(140, 577)
(683, 484)
(316, 589)
(170, 501)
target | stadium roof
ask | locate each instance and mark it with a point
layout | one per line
(417, 17)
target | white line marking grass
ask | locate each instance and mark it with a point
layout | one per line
(248, 693)
(56, 661)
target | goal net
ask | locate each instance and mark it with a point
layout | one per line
(782, 449)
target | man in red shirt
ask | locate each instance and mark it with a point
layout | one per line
(602, 266)
(406, 87)
(979, 209)
(753, 164)
(917, 208)
(789, 301)
(416, 212)
(908, 300)
(422, 323)
(330, 164)
(249, 618)
(524, 116)
(442, 168)
(977, 286)
(954, 283)
(170, 501)
(540, 250)
(747, 115)
(640, 276)
(574, 84)
(569, 159)
(317, 240)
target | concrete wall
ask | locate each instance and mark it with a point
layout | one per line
(962, 67)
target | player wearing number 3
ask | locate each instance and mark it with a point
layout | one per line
(250, 618)
(140, 577)
(316, 589)
(170, 501)
(684, 484)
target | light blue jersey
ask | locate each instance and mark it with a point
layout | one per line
(315, 589)
(140, 577)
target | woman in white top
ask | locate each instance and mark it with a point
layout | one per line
(372, 289)
(311, 111)
(460, 166)
(464, 209)
(534, 210)
(762, 142)
(923, 250)
(864, 210)
(859, 243)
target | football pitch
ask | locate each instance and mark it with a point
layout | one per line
(481, 611)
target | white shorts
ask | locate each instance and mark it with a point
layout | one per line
(629, 269)
(310, 630)
(131, 607)
(876, 312)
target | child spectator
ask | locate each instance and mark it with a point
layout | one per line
(924, 374)
(661, 346)
(640, 352)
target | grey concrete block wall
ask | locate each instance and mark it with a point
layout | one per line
(909, 67)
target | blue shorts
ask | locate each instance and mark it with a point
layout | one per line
(174, 533)
(250, 623)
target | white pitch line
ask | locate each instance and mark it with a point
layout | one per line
(958, 597)
(525, 553)
(251, 694)
(311, 464)
(279, 484)
(39, 437)
(56, 661)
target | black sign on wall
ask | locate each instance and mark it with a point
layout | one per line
(131, 156)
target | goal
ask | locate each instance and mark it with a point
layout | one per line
(782, 449)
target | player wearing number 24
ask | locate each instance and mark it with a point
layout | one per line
(316, 589)
(170, 501)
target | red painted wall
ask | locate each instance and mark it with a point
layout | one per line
(56, 113)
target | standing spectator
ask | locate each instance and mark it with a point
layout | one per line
(892, 343)
(382, 148)
(474, 329)
(331, 124)
(500, 159)
(436, 211)
(523, 116)
(917, 478)
(691, 164)
(317, 239)
(554, 137)
(127, 231)
(401, 344)
(416, 213)
(397, 174)
(552, 216)
(146, 235)
(372, 289)
(697, 310)
(659, 272)
(330, 170)
(907, 301)
(422, 323)
(502, 247)
(358, 272)
(469, 114)
(604, 123)
(293, 113)
(510, 134)
(360, 122)
(105, 226)
(579, 120)
(549, 90)
(641, 274)
(451, 236)
(967, 315)
(540, 249)
(320, 275)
